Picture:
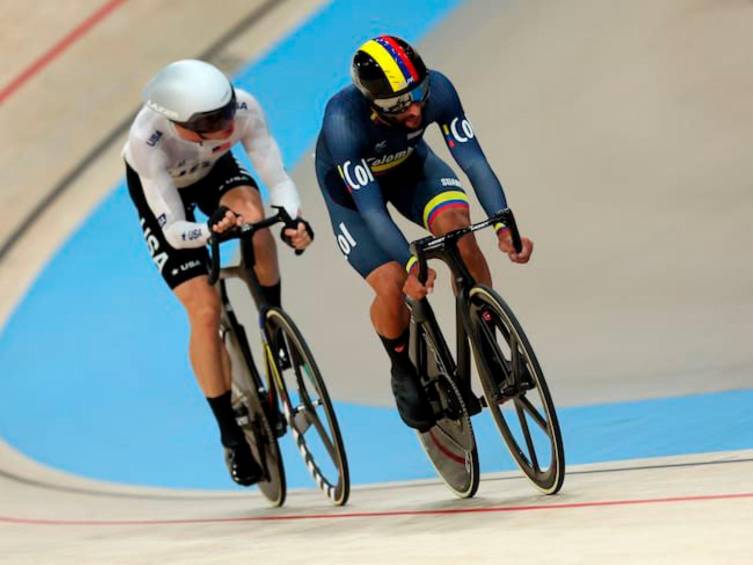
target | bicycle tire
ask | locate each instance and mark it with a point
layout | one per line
(301, 411)
(503, 379)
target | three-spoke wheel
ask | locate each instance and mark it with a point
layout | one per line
(515, 390)
(307, 406)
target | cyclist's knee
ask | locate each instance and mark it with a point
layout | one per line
(468, 246)
(387, 281)
(450, 219)
(250, 213)
(263, 239)
(202, 303)
(244, 200)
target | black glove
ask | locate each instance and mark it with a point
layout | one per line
(294, 225)
(217, 216)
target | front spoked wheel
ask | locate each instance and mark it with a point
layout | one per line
(307, 406)
(252, 418)
(450, 444)
(515, 390)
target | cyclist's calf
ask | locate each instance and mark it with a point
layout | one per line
(202, 303)
(388, 311)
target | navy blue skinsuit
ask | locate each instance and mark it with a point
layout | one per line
(362, 163)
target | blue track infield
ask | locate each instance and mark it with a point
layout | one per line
(95, 379)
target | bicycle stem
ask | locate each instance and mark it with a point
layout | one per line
(245, 233)
(432, 247)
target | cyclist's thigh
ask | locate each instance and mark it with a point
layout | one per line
(434, 188)
(226, 176)
(354, 239)
(175, 265)
(198, 297)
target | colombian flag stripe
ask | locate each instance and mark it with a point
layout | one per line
(445, 206)
(449, 199)
(387, 62)
(401, 56)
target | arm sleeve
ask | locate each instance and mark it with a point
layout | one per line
(165, 203)
(346, 149)
(265, 156)
(463, 144)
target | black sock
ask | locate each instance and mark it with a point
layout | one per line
(397, 349)
(272, 294)
(222, 407)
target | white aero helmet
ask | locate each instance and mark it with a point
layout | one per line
(193, 94)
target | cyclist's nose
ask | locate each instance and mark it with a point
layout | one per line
(414, 110)
(228, 131)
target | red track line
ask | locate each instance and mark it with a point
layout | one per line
(376, 514)
(58, 48)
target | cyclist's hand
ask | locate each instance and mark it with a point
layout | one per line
(414, 289)
(223, 219)
(299, 237)
(506, 246)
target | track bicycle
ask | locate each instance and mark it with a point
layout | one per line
(293, 381)
(514, 388)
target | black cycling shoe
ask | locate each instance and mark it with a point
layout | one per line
(243, 468)
(412, 404)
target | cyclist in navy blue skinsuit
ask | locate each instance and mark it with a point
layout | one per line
(371, 151)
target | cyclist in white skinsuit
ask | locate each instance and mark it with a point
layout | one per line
(177, 158)
(166, 163)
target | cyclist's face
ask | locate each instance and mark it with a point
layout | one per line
(208, 136)
(221, 134)
(411, 118)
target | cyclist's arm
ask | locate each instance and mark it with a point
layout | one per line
(463, 144)
(165, 203)
(345, 147)
(265, 155)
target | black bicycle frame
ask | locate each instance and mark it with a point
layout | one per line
(245, 272)
(445, 248)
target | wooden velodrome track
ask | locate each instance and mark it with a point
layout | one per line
(622, 132)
